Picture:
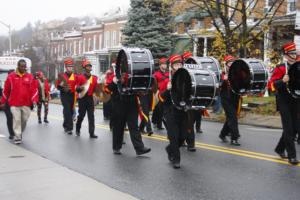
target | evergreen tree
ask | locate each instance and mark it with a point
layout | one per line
(149, 26)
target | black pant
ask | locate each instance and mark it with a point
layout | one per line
(146, 104)
(177, 125)
(107, 109)
(67, 100)
(194, 116)
(9, 120)
(157, 116)
(125, 111)
(230, 105)
(288, 112)
(39, 109)
(86, 105)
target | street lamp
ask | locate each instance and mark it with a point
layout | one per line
(9, 34)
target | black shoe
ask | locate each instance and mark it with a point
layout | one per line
(11, 137)
(117, 151)
(40, 121)
(298, 141)
(123, 142)
(77, 133)
(93, 136)
(199, 131)
(170, 156)
(235, 143)
(176, 165)
(143, 151)
(191, 149)
(293, 161)
(223, 138)
(281, 155)
(69, 132)
(46, 121)
(150, 133)
(160, 128)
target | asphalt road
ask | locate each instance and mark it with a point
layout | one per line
(215, 171)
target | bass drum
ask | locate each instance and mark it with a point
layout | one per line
(136, 66)
(193, 88)
(248, 76)
(294, 82)
(209, 63)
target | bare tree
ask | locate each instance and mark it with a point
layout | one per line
(231, 19)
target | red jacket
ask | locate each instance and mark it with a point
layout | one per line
(70, 80)
(278, 74)
(20, 90)
(162, 79)
(46, 88)
(82, 79)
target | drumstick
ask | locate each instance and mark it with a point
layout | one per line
(286, 66)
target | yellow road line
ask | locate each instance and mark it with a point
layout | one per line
(238, 152)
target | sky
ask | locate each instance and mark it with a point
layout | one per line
(18, 13)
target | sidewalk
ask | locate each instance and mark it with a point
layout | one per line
(27, 176)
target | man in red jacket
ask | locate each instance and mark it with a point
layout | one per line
(66, 85)
(86, 85)
(20, 91)
(44, 95)
(162, 78)
(286, 104)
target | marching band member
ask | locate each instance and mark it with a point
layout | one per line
(86, 101)
(66, 84)
(231, 104)
(44, 95)
(176, 120)
(286, 104)
(162, 78)
(125, 111)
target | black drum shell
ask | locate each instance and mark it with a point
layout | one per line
(248, 76)
(197, 88)
(209, 63)
(294, 82)
(139, 65)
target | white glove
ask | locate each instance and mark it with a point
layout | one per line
(115, 80)
(169, 86)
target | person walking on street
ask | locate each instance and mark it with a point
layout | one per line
(44, 96)
(286, 104)
(86, 85)
(21, 93)
(66, 85)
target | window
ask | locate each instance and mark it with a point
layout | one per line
(58, 50)
(89, 44)
(114, 38)
(79, 47)
(291, 6)
(75, 43)
(62, 50)
(100, 41)
(84, 45)
(106, 39)
(94, 42)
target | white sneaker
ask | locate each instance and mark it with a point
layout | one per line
(18, 141)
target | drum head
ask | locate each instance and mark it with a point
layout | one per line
(239, 77)
(181, 87)
(122, 64)
(294, 82)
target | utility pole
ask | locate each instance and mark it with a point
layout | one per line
(9, 34)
